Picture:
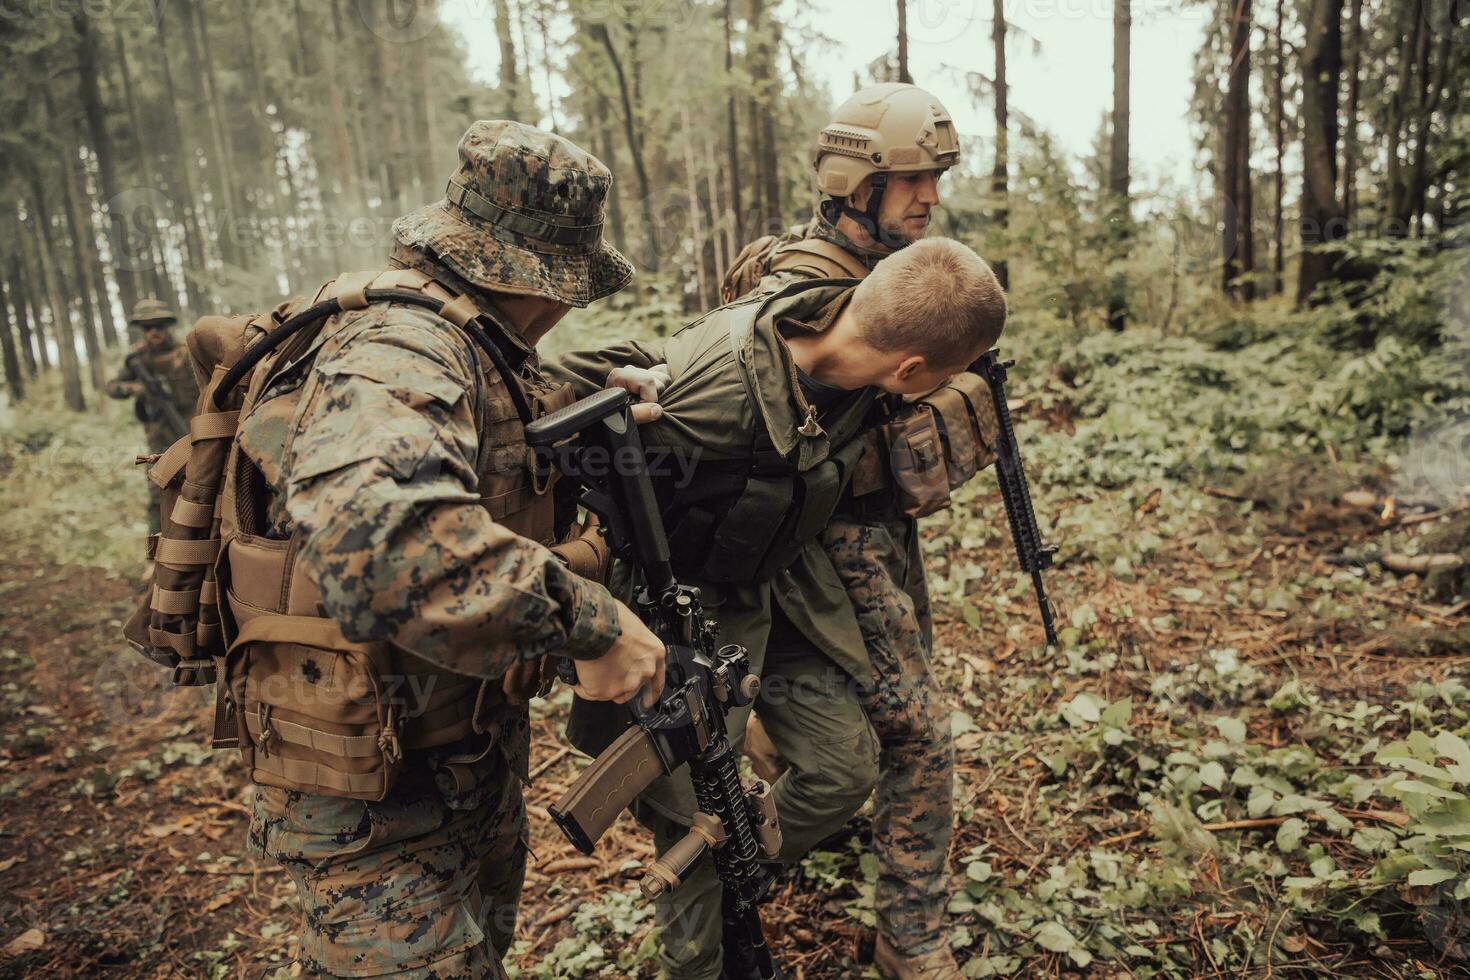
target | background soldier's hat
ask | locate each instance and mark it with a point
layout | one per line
(522, 214)
(151, 311)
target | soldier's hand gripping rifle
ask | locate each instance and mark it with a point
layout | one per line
(1031, 551)
(157, 397)
(735, 822)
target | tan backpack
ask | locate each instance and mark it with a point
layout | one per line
(310, 710)
(814, 258)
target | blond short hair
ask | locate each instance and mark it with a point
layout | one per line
(935, 298)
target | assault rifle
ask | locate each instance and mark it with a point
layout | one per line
(156, 397)
(595, 442)
(1032, 552)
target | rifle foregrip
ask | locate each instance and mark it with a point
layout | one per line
(670, 870)
(606, 788)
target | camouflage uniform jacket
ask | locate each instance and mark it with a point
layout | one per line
(170, 364)
(378, 474)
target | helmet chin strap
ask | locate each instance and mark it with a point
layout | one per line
(866, 219)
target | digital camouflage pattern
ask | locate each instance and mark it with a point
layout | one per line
(423, 885)
(523, 214)
(379, 473)
(913, 807)
(373, 445)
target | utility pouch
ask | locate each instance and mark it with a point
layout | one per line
(965, 416)
(916, 462)
(315, 711)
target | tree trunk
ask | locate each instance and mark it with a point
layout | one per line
(696, 219)
(635, 145)
(82, 285)
(759, 52)
(181, 168)
(14, 380)
(1399, 121)
(1119, 167)
(1321, 218)
(903, 43)
(1278, 101)
(733, 138)
(1000, 173)
(1238, 245)
(1350, 135)
(608, 154)
(1434, 74)
(719, 226)
(546, 64)
(230, 203)
(510, 96)
(95, 113)
(46, 260)
(19, 298)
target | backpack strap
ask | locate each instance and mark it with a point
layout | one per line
(819, 258)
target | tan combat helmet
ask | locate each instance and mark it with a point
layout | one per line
(885, 129)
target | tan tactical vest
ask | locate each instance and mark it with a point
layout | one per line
(814, 258)
(310, 710)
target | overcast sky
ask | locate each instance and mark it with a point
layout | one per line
(1065, 86)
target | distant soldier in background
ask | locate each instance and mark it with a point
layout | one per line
(159, 379)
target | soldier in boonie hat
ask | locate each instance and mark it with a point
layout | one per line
(150, 311)
(523, 214)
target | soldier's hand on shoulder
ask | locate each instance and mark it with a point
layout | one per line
(634, 662)
(647, 384)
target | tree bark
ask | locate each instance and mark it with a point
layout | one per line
(1000, 173)
(81, 285)
(607, 152)
(46, 260)
(230, 200)
(733, 139)
(635, 145)
(19, 299)
(696, 219)
(96, 116)
(510, 96)
(1238, 244)
(903, 43)
(1278, 101)
(546, 63)
(1399, 120)
(1350, 135)
(1119, 166)
(14, 380)
(763, 89)
(1321, 212)
(1434, 74)
(181, 166)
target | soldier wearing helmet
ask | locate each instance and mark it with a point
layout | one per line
(878, 164)
(159, 379)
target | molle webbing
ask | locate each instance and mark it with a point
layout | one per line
(820, 259)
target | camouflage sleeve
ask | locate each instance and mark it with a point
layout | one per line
(381, 482)
(121, 386)
(587, 370)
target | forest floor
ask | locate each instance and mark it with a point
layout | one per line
(1190, 788)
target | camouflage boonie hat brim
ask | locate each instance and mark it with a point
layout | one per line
(151, 311)
(523, 214)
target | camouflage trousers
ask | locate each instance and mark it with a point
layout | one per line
(913, 807)
(424, 884)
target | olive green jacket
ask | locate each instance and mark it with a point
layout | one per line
(709, 407)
